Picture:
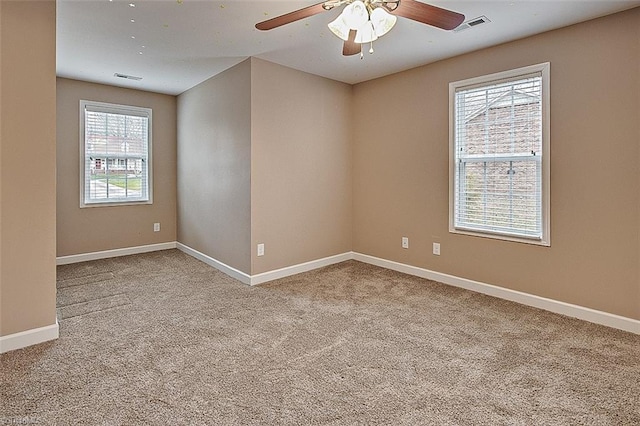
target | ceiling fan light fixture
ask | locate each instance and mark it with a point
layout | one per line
(355, 15)
(339, 27)
(382, 21)
(363, 21)
(366, 33)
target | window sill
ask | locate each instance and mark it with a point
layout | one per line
(115, 204)
(503, 237)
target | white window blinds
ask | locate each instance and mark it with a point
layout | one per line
(498, 157)
(116, 150)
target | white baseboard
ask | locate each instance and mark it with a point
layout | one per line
(222, 267)
(299, 268)
(574, 311)
(265, 276)
(84, 257)
(26, 338)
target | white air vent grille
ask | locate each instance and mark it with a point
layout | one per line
(472, 23)
(128, 77)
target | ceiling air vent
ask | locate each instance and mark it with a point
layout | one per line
(128, 77)
(472, 23)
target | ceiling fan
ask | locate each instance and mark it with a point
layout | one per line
(363, 21)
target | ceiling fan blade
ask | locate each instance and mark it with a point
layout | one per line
(350, 47)
(427, 14)
(287, 18)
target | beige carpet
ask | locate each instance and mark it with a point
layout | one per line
(164, 339)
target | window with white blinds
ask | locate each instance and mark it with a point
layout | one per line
(500, 155)
(115, 154)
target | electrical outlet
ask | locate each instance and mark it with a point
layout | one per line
(405, 242)
(156, 227)
(260, 249)
(436, 249)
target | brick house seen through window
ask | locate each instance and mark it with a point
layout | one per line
(499, 183)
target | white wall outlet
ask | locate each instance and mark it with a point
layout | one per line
(436, 249)
(405, 242)
(261, 249)
(156, 227)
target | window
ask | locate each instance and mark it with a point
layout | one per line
(499, 155)
(115, 145)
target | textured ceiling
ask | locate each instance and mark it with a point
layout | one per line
(175, 44)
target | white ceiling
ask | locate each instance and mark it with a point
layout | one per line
(180, 43)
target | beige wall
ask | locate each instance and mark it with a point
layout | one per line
(104, 228)
(214, 173)
(301, 191)
(401, 169)
(1, 169)
(27, 169)
(264, 156)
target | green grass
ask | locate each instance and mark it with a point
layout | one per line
(134, 184)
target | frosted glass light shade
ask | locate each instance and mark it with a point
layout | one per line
(382, 21)
(366, 34)
(339, 27)
(355, 15)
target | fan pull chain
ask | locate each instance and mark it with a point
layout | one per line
(370, 50)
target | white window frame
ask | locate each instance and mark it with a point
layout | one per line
(147, 192)
(544, 70)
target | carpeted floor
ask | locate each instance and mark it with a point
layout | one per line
(164, 339)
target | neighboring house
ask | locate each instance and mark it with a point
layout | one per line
(499, 125)
(107, 151)
(115, 165)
